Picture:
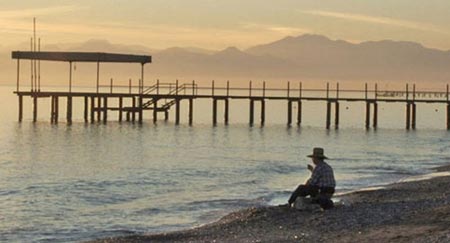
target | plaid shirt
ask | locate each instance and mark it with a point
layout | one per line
(322, 176)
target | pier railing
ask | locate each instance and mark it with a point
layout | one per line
(162, 96)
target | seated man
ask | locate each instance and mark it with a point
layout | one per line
(320, 186)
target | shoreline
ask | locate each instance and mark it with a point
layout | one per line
(412, 210)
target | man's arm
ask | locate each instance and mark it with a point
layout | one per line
(314, 179)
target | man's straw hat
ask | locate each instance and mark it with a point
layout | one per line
(318, 153)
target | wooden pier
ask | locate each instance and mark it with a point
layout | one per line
(160, 97)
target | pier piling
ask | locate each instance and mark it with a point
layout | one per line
(155, 110)
(328, 117)
(35, 107)
(133, 111)
(69, 109)
(289, 113)
(336, 115)
(86, 109)
(367, 115)
(105, 109)
(408, 116)
(99, 107)
(448, 116)
(140, 113)
(299, 113)
(227, 112)
(120, 108)
(177, 111)
(375, 115)
(20, 108)
(413, 116)
(263, 112)
(252, 109)
(92, 109)
(191, 111)
(214, 115)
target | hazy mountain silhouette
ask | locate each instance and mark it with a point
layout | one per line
(311, 57)
(320, 57)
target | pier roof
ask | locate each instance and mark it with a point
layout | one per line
(81, 57)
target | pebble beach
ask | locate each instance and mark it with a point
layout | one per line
(414, 210)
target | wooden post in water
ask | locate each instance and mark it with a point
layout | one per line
(105, 109)
(155, 110)
(120, 108)
(177, 111)
(86, 109)
(69, 109)
(252, 109)
(20, 108)
(328, 117)
(56, 109)
(367, 114)
(226, 112)
(413, 116)
(336, 115)
(52, 109)
(92, 109)
(166, 115)
(375, 115)
(448, 116)
(133, 112)
(408, 116)
(141, 113)
(299, 112)
(191, 111)
(263, 112)
(35, 108)
(289, 113)
(99, 108)
(214, 118)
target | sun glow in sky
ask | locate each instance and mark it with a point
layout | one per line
(217, 24)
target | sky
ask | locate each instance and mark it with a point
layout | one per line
(217, 24)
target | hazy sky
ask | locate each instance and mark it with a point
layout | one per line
(216, 24)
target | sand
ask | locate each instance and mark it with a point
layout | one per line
(412, 211)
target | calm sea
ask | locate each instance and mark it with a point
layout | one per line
(81, 182)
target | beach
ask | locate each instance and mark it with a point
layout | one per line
(415, 210)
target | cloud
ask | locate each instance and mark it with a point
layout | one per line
(277, 29)
(36, 12)
(378, 20)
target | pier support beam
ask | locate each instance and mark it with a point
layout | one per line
(141, 111)
(214, 115)
(336, 115)
(299, 113)
(448, 116)
(133, 112)
(289, 113)
(92, 109)
(120, 109)
(69, 109)
(20, 108)
(86, 109)
(375, 115)
(166, 115)
(99, 108)
(191, 111)
(408, 116)
(105, 109)
(155, 110)
(52, 109)
(177, 111)
(35, 108)
(226, 112)
(413, 116)
(367, 115)
(252, 112)
(263, 112)
(328, 117)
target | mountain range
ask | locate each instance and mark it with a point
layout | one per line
(309, 57)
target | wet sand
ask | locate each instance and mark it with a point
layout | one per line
(412, 211)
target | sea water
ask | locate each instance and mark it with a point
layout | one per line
(86, 181)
